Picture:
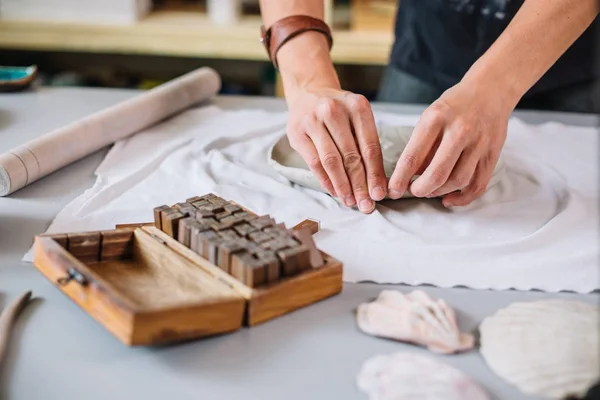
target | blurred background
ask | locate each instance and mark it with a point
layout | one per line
(142, 43)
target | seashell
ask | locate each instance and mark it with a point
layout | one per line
(548, 348)
(392, 138)
(414, 318)
(416, 377)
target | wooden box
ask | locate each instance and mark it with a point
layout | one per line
(148, 288)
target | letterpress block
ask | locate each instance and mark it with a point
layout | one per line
(85, 246)
(203, 239)
(196, 228)
(116, 245)
(170, 223)
(244, 216)
(278, 232)
(183, 235)
(244, 229)
(271, 263)
(222, 215)
(259, 237)
(228, 234)
(179, 206)
(218, 202)
(248, 269)
(204, 212)
(262, 222)
(232, 208)
(192, 200)
(304, 236)
(200, 203)
(158, 215)
(226, 251)
(188, 210)
(279, 243)
(211, 248)
(311, 225)
(294, 260)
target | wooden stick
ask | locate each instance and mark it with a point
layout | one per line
(8, 319)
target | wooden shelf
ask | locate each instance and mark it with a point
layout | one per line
(180, 33)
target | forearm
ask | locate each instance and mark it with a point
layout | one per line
(304, 60)
(535, 39)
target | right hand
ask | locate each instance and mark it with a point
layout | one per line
(334, 131)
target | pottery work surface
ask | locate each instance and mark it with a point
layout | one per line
(414, 318)
(393, 139)
(413, 376)
(547, 348)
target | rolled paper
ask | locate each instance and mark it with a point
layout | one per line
(40, 157)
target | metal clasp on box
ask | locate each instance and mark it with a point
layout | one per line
(73, 275)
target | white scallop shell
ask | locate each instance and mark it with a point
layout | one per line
(414, 318)
(407, 375)
(549, 348)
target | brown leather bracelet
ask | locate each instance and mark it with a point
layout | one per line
(287, 28)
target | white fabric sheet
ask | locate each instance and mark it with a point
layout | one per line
(538, 228)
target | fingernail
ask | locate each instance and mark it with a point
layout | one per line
(395, 194)
(366, 205)
(378, 193)
(349, 200)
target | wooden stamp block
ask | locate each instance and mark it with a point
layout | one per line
(228, 234)
(170, 223)
(262, 222)
(192, 200)
(259, 237)
(294, 260)
(196, 228)
(232, 208)
(188, 211)
(203, 239)
(226, 251)
(184, 230)
(312, 226)
(279, 243)
(200, 203)
(304, 236)
(222, 215)
(116, 245)
(158, 215)
(204, 212)
(244, 229)
(212, 245)
(179, 206)
(271, 263)
(248, 269)
(85, 246)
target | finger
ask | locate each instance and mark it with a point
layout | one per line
(337, 123)
(476, 188)
(367, 138)
(332, 162)
(462, 174)
(305, 147)
(417, 149)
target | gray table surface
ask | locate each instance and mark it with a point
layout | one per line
(59, 352)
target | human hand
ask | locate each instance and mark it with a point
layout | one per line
(334, 131)
(455, 146)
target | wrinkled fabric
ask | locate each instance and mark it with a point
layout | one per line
(537, 227)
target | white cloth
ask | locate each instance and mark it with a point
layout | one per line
(537, 228)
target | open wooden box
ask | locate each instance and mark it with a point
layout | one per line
(147, 288)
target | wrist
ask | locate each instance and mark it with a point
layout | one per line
(498, 82)
(304, 63)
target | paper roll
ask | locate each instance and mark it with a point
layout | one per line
(39, 157)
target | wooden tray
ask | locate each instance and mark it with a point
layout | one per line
(147, 288)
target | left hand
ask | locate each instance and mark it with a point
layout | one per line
(455, 146)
